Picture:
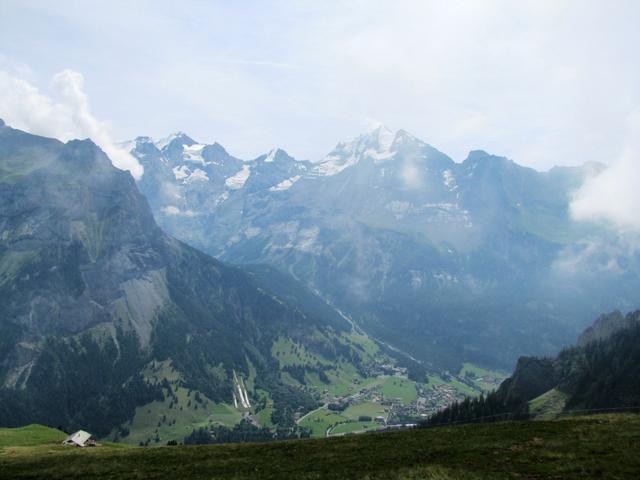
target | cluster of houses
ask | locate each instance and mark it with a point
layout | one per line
(387, 369)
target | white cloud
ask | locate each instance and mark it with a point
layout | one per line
(411, 174)
(593, 256)
(175, 211)
(613, 196)
(171, 210)
(66, 117)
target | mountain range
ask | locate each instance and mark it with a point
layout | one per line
(102, 312)
(451, 262)
(278, 297)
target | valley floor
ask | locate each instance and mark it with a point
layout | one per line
(603, 446)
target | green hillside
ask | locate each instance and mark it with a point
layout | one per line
(603, 446)
(29, 436)
(548, 405)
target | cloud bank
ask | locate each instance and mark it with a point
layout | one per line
(613, 196)
(67, 116)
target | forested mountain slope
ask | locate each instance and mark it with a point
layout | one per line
(600, 374)
(102, 312)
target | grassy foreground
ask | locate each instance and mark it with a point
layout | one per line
(604, 446)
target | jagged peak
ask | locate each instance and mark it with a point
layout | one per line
(86, 152)
(179, 137)
(379, 144)
(481, 157)
(477, 154)
(382, 135)
(381, 139)
(276, 154)
(216, 147)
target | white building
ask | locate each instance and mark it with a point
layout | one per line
(80, 439)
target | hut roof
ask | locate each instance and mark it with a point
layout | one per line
(79, 438)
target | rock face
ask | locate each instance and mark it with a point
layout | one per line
(531, 378)
(449, 261)
(75, 233)
(92, 291)
(604, 327)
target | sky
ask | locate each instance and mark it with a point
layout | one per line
(542, 82)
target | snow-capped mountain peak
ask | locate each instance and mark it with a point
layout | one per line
(380, 140)
(179, 138)
(377, 145)
(384, 137)
(141, 145)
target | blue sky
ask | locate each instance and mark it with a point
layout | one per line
(543, 83)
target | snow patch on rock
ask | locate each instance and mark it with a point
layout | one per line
(222, 198)
(239, 179)
(163, 142)
(198, 176)
(285, 184)
(181, 172)
(184, 173)
(272, 155)
(193, 153)
(449, 180)
(172, 210)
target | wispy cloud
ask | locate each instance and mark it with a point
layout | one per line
(67, 116)
(613, 196)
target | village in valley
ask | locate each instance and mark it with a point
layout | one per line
(388, 399)
(391, 400)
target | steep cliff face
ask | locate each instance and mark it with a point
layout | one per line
(92, 292)
(79, 244)
(531, 378)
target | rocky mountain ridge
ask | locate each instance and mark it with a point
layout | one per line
(478, 260)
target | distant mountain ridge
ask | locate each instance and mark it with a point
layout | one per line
(448, 261)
